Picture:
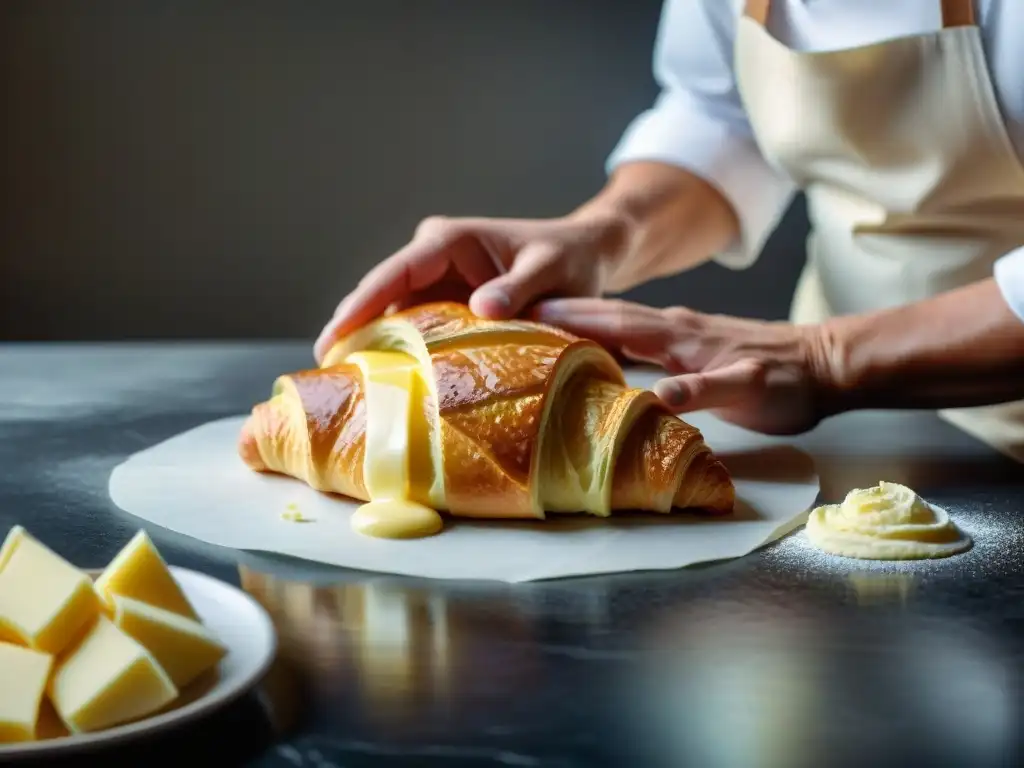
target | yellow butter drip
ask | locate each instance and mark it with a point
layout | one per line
(396, 519)
(886, 522)
(396, 478)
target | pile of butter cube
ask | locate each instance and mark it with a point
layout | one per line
(78, 656)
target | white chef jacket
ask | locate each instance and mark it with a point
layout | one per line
(699, 122)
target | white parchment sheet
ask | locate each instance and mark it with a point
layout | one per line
(195, 484)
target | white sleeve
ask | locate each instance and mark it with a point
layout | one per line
(1009, 274)
(699, 123)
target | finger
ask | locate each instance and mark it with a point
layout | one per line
(451, 288)
(383, 285)
(661, 357)
(535, 272)
(718, 388)
(644, 331)
(420, 264)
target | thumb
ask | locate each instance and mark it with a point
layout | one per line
(718, 388)
(534, 273)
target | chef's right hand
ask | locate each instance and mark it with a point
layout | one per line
(501, 266)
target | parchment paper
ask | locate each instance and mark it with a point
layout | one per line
(195, 484)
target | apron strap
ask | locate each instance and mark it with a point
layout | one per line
(955, 13)
(757, 10)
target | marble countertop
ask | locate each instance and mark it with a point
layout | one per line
(781, 658)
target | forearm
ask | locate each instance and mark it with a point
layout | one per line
(671, 220)
(962, 348)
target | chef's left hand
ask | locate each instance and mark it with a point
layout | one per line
(769, 377)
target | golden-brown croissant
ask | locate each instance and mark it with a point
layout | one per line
(515, 419)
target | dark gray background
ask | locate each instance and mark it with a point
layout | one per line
(229, 169)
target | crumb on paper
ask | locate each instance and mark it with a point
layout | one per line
(293, 514)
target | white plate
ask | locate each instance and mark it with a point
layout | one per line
(237, 620)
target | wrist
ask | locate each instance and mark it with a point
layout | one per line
(866, 359)
(668, 220)
(832, 367)
(962, 348)
(611, 225)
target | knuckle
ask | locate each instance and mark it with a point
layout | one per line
(619, 318)
(546, 255)
(674, 361)
(757, 369)
(682, 318)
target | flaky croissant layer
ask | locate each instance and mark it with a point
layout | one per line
(518, 419)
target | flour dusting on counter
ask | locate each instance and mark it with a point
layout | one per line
(995, 542)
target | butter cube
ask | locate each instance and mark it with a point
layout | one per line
(108, 679)
(45, 602)
(14, 538)
(139, 572)
(183, 647)
(23, 676)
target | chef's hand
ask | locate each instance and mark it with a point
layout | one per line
(769, 377)
(501, 266)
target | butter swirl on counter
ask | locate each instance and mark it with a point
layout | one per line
(886, 522)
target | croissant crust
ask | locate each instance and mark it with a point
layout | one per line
(522, 419)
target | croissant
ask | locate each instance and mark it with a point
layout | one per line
(512, 419)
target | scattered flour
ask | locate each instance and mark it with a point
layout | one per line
(998, 545)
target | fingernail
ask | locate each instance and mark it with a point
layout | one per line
(671, 393)
(493, 301)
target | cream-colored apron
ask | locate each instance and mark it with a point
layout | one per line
(913, 186)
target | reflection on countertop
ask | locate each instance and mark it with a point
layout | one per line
(875, 587)
(738, 674)
(748, 679)
(407, 655)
